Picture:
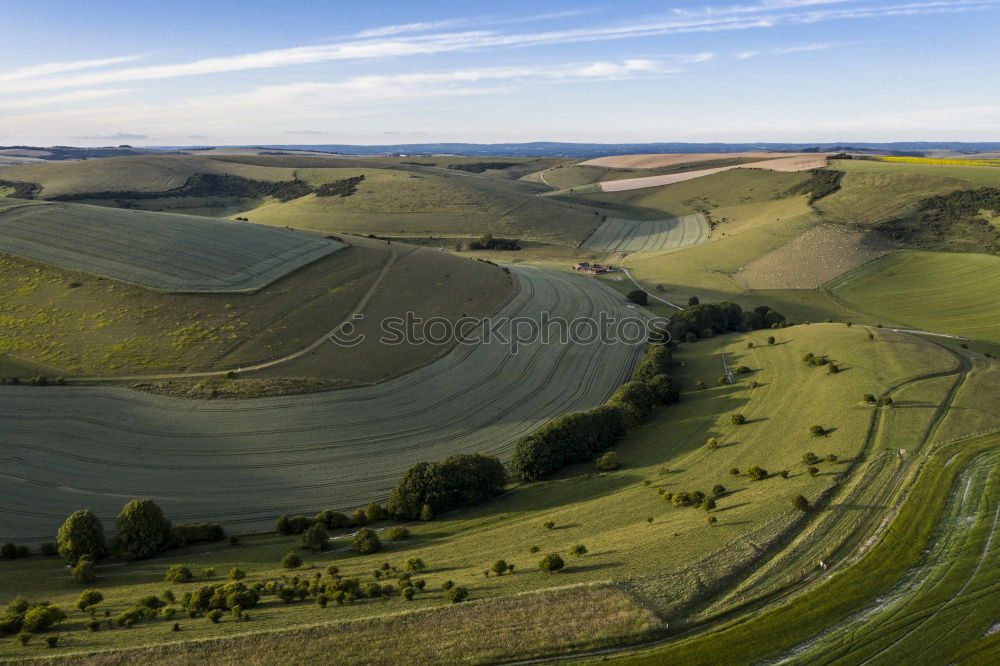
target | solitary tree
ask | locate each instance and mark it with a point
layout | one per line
(551, 563)
(770, 340)
(608, 461)
(813, 471)
(800, 503)
(142, 529)
(237, 574)
(638, 296)
(499, 567)
(578, 549)
(366, 541)
(738, 419)
(81, 534)
(316, 537)
(755, 473)
(712, 443)
(693, 301)
(291, 560)
(810, 458)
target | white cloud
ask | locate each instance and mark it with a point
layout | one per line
(74, 97)
(47, 69)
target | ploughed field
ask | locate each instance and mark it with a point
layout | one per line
(158, 250)
(618, 235)
(242, 463)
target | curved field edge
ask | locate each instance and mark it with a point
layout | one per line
(532, 624)
(776, 631)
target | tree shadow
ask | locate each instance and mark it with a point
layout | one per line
(728, 508)
(578, 568)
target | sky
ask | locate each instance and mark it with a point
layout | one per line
(388, 72)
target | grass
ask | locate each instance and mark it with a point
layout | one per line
(84, 325)
(943, 292)
(607, 511)
(771, 633)
(938, 161)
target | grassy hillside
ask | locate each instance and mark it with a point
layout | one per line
(938, 291)
(607, 512)
(431, 203)
(84, 325)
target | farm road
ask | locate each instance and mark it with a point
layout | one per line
(243, 463)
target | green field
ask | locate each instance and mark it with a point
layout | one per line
(937, 291)
(608, 512)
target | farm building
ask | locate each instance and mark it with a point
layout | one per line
(593, 269)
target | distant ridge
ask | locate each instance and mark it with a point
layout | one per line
(578, 150)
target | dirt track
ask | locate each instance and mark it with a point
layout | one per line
(245, 462)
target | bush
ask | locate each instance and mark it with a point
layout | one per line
(831, 458)
(608, 461)
(291, 560)
(456, 594)
(366, 541)
(42, 617)
(499, 567)
(316, 538)
(214, 616)
(397, 533)
(208, 572)
(89, 598)
(813, 471)
(414, 564)
(333, 520)
(800, 503)
(817, 430)
(712, 443)
(735, 471)
(738, 419)
(551, 563)
(770, 340)
(755, 473)
(534, 549)
(409, 593)
(578, 549)
(374, 512)
(85, 571)
(81, 534)
(178, 573)
(237, 574)
(459, 481)
(870, 398)
(712, 520)
(742, 370)
(549, 524)
(638, 296)
(142, 530)
(886, 400)
(718, 490)
(48, 549)
(783, 473)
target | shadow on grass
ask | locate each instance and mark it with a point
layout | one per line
(597, 566)
(729, 508)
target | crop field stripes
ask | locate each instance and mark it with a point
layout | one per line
(245, 462)
(162, 251)
(619, 235)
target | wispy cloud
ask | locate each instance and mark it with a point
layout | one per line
(47, 69)
(117, 136)
(74, 97)
(759, 16)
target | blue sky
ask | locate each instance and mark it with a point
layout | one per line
(202, 73)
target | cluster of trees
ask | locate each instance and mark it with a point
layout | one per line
(821, 183)
(488, 242)
(479, 167)
(429, 488)
(707, 319)
(330, 520)
(10, 551)
(22, 190)
(579, 436)
(340, 188)
(141, 532)
(953, 221)
(24, 617)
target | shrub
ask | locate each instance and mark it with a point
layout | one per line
(810, 458)
(738, 419)
(366, 541)
(833, 368)
(551, 563)
(770, 340)
(638, 296)
(459, 481)
(700, 386)
(800, 503)
(447, 585)
(578, 549)
(549, 524)
(784, 473)
(723, 380)
(316, 538)
(831, 458)
(52, 641)
(332, 570)
(499, 567)
(414, 564)
(456, 594)
(214, 616)
(813, 471)
(333, 520)
(282, 525)
(94, 625)
(409, 593)
(178, 573)
(534, 549)
(708, 504)
(712, 443)
(81, 534)
(718, 490)
(374, 512)
(742, 370)
(237, 574)
(712, 520)
(397, 533)
(886, 400)
(870, 398)
(208, 572)
(85, 571)
(89, 598)
(755, 473)
(142, 530)
(735, 471)
(608, 461)
(291, 560)
(42, 617)
(23, 638)
(817, 430)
